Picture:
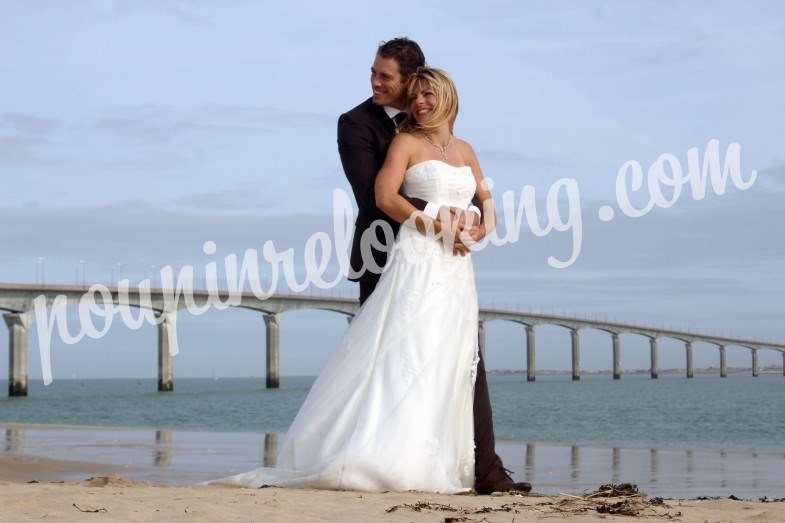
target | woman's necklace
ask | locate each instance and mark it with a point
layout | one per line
(442, 150)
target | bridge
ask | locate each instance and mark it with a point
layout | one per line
(17, 302)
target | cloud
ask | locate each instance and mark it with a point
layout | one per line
(23, 139)
(705, 247)
(736, 230)
(617, 283)
(139, 234)
(245, 197)
(159, 125)
(512, 157)
(29, 124)
(772, 178)
(190, 11)
(26, 150)
(156, 125)
(270, 116)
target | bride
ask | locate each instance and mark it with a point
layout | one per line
(392, 409)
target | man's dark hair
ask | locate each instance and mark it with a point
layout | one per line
(404, 51)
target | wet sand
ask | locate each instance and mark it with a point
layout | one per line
(21, 468)
(188, 457)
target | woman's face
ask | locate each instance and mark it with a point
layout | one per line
(422, 102)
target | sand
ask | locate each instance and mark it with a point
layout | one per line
(112, 498)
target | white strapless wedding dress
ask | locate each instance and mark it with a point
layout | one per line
(392, 409)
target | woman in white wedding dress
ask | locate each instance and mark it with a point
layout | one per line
(392, 409)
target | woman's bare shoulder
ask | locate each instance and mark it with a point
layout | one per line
(465, 148)
(402, 147)
(404, 138)
(405, 142)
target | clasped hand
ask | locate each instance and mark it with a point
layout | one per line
(467, 226)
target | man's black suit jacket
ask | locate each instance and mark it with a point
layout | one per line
(364, 135)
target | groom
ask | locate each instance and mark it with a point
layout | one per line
(364, 135)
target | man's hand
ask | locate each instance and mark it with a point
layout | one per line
(470, 236)
(461, 218)
(466, 227)
(467, 219)
(459, 249)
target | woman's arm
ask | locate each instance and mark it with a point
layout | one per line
(388, 185)
(483, 195)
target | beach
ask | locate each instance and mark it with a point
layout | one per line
(117, 450)
(125, 474)
(111, 498)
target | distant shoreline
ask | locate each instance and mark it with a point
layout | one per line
(770, 369)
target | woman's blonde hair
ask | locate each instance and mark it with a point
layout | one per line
(446, 108)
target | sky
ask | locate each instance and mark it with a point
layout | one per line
(133, 132)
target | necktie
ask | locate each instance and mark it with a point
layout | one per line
(399, 118)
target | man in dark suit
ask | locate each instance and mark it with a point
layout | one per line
(364, 135)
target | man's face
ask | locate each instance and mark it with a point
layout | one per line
(387, 83)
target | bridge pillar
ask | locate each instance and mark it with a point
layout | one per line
(14, 438)
(575, 462)
(615, 464)
(653, 350)
(17, 322)
(576, 355)
(783, 363)
(754, 362)
(723, 364)
(273, 363)
(162, 455)
(616, 356)
(481, 337)
(530, 372)
(688, 350)
(165, 362)
(270, 454)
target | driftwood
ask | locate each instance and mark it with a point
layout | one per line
(613, 490)
(422, 505)
(89, 509)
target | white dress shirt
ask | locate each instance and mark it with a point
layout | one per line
(431, 209)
